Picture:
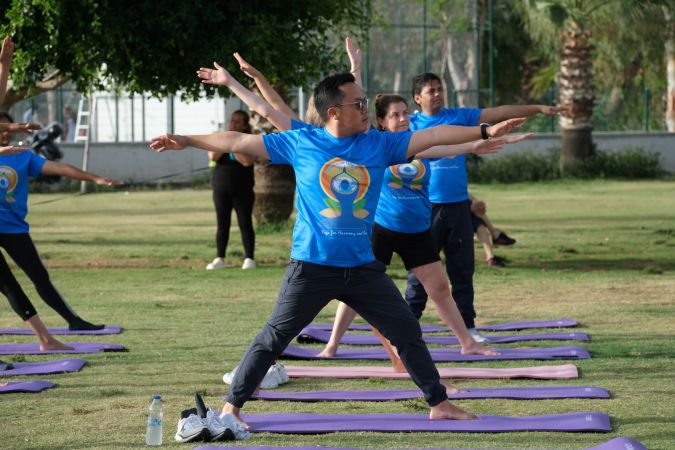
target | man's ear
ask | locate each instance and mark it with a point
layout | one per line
(417, 98)
(333, 112)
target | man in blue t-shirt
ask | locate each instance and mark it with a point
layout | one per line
(449, 194)
(339, 171)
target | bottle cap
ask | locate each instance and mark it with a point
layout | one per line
(156, 397)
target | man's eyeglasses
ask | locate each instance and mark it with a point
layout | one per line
(361, 104)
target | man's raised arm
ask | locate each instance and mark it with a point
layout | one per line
(221, 142)
(499, 113)
(450, 134)
(6, 54)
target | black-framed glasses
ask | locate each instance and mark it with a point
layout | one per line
(361, 104)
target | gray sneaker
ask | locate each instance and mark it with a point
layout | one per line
(191, 429)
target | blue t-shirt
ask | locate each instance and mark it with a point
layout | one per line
(297, 125)
(449, 182)
(338, 184)
(404, 204)
(14, 173)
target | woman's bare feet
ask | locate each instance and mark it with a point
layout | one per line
(229, 408)
(477, 349)
(446, 410)
(328, 352)
(451, 389)
(53, 344)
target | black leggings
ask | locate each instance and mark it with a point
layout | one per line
(241, 198)
(21, 249)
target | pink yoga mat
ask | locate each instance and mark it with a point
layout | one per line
(560, 372)
(620, 443)
(109, 329)
(80, 347)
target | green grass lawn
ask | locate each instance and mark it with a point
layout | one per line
(602, 253)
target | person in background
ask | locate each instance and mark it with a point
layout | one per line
(232, 182)
(487, 233)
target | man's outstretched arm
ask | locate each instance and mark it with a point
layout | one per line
(500, 113)
(450, 134)
(221, 142)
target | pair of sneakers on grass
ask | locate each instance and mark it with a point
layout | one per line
(276, 375)
(219, 263)
(205, 424)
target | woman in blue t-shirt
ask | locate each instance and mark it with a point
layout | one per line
(403, 226)
(15, 169)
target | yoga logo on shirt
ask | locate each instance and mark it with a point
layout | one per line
(8, 181)
(346, 185)
(408, 174)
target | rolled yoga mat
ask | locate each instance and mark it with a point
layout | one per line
(515, 393)
(307, 423)
(25, 386)
(620, 443)
(314, 335)
(510, 326)
(446, 354)
(109, 329)
(43, 368)
(560, 372)
(80, 347)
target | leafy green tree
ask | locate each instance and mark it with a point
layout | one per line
(155, 47)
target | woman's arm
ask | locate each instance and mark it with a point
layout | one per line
(222, 77)
(66, 170)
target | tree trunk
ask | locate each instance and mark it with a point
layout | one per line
(577, 93)
(274, 184)
(461, 52)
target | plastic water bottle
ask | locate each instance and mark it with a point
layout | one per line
(153, 434)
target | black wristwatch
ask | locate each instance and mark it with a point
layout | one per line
(483, 131)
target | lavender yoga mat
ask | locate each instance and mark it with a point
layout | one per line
(313, 335)
(620, 443)
(25, 331)
(25, 386)
(447, 354)
(510, 326)
(43, 368)
(560, 372)
(80, 347)
(307, 423)
(516, 393)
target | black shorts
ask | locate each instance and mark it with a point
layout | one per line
(415, 249)
(476, 222)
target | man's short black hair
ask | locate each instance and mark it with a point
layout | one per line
(6, 116)
(420, 80)
(327, 93)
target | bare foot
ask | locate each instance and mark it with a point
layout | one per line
(229, 408)
(4, 384)
(477, 349)
(327, 352)
(446, 410)
(54, 344)
(451, 389)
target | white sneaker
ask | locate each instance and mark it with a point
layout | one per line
(475, 334)
(218, 263)
(249, 264)
(191, 429)
(273, 378)
(217, 430)
(237, 428)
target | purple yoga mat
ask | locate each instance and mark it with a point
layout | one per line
(25, 386)
(516, 393)
(448, 354)
(559, 372)
(510, 326)
(313, 335)
(307, 423)
(620, 443)
(25, 331)
(80, 347)
(43, 368)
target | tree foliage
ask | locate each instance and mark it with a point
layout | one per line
(155, 47)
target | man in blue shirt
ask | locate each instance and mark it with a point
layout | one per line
(449, 194)
(339, 171)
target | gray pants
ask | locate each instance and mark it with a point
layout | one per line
(306, 289)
